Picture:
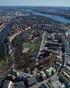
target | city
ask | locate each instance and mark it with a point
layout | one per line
(34, 47)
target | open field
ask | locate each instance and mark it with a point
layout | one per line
(30, 45)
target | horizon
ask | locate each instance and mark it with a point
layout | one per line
(34, 6)
(50, 3)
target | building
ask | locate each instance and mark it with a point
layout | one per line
(18, 85)
(31, 80)
(57, 84)
(43, 75)
(7, 84)
(50, 71)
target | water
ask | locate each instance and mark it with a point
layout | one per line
(54, 17)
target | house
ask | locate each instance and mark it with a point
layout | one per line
(31, 80)
(50, 71)
(43, 75)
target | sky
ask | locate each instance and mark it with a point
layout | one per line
(35, 3)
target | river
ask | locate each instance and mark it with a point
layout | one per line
(54, 17)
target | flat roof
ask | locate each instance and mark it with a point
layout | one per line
(57, 84)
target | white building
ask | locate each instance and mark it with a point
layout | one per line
(50, 70)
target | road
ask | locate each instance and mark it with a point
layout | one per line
(42, 43)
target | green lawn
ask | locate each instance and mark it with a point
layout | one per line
(30, 45)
